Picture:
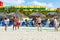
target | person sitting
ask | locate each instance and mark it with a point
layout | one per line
(26, 21)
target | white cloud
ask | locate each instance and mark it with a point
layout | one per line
(23, 2)
(41, 4)
(13, 2)
(50, 5)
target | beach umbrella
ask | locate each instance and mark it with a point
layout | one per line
(19, 14)
(36, 14)
(52, 14)
(58, 14)
(10, 14)
(15, 14)
(2, 15)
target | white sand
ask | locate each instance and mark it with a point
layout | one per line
(29, 33)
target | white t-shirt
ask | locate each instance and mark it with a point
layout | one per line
(48, 21)
(6, 21)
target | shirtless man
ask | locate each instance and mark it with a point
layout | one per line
(56, 23)
(18, 22)
(39, 23)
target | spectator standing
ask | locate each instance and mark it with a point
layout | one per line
(6, 22)
(26, 21)
(56, 24)
(39, 23)
(14, 23)
(18, 22)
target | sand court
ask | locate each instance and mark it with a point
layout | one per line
(29, 33)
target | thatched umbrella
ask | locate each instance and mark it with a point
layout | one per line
(3, 15)
(11, 15)
(19, 14)
(36, 14)
(58, 14)
(52, 14)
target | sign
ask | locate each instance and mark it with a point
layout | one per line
(1, 3)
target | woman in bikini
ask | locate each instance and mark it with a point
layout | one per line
(14, 23)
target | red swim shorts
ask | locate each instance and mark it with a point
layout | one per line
(18, 23)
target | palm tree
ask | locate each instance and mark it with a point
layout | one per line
(21, 10)
(5, 10)
(12, 9)
(39, 11)
(44, 12)
(1, 9)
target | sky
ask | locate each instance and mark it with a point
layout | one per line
(47, 3)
